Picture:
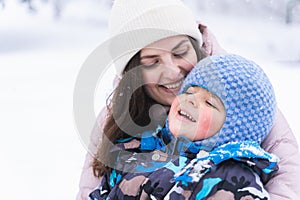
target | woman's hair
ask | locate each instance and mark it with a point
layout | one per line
(128, 103)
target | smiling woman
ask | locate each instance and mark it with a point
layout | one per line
(165, 64)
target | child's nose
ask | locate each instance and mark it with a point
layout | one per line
(192, 100)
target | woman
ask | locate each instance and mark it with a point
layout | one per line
(164, 60)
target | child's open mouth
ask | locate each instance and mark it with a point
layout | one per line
(186, 115)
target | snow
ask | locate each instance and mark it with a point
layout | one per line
(40, 58)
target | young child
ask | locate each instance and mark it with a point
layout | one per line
(209, 148)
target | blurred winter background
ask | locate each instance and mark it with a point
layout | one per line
(43, 44)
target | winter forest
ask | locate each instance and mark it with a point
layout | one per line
(43, 45)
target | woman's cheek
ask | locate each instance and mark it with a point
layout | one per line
(187, 66)
(148, 76)
(190, 62)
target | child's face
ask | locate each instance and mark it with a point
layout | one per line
(196, 114)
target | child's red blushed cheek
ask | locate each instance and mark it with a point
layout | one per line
(204, 123)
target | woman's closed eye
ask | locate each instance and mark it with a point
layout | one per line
(181, 52)
(150, 63)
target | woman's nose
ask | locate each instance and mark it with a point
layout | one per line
(171, 66)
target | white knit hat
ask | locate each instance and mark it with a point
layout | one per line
(135, 24)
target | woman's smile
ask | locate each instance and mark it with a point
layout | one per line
(165, 64)
(172, 87)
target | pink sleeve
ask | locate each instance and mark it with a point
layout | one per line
(281, 142)
(88, 181)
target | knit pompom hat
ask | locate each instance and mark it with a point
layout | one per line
(134, 24)
(246, 93)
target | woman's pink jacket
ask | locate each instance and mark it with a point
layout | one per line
(280, 142)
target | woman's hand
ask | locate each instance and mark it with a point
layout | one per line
(210, 43)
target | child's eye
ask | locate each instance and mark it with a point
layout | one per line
(189, 91)
(211, 104)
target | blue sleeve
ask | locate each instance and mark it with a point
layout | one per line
(150, 142)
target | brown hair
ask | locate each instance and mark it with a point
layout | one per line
(117, 124)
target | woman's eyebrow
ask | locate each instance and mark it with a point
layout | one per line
(179, 44)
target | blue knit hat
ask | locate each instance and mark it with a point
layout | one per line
(246, 93)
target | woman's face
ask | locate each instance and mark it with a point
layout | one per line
(165, 64)
(196, 114)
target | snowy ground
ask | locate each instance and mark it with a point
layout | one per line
(40, 57)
